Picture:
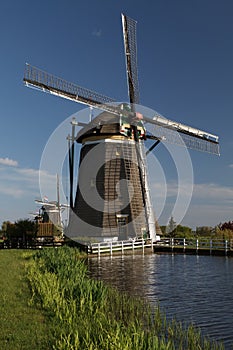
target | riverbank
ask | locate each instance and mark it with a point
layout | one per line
(88, 314)
(79, 312)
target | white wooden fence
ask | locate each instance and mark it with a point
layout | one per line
(120, 247)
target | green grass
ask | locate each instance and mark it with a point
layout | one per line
(21, 326)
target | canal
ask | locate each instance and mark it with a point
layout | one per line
(193, 289)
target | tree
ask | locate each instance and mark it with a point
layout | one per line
(171, 227)
(22, 230)
(206, 231)
(5, 224)
(163, 229)
(226, 226)
(225, 230)
(183, 231)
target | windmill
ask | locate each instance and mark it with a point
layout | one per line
(49, 216)
(112, 199)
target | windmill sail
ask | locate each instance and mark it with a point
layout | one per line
(129, 33)
(183, 135)
(183, 138)
(41, 80)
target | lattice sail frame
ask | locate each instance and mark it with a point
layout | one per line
(37, 78)
(182, 139)
(130, 45)
(172, 132)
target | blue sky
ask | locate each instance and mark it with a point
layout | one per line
(185, 55)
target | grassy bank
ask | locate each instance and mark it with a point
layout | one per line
(86, 314)
(22, 326)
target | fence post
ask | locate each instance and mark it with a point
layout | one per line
(142, 246)
(111, 248)
(226, 246)
(98, 249)
(122, 247)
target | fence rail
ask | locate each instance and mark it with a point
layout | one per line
(175, 245)
(120, 246)
(29, 244)
(211, 246)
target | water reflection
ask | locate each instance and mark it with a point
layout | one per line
(114, 272)
(196, 289)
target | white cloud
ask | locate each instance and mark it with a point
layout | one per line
(207, 215)
(8, 162)
(20, 182)
(12, 192)
(206, 191)
(230, 165)
(213, 192)
(19, 187)
(15, 184)
(210, 204)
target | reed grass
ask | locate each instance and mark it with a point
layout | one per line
(88, 315)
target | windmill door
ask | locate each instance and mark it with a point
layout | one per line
(122, 221)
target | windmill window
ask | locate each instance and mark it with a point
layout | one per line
(122, 221)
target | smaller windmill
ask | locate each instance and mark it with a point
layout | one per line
(118, 133)
(49, 217)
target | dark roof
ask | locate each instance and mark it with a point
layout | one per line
(104, 124)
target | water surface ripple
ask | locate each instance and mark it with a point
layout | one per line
(197, 289)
